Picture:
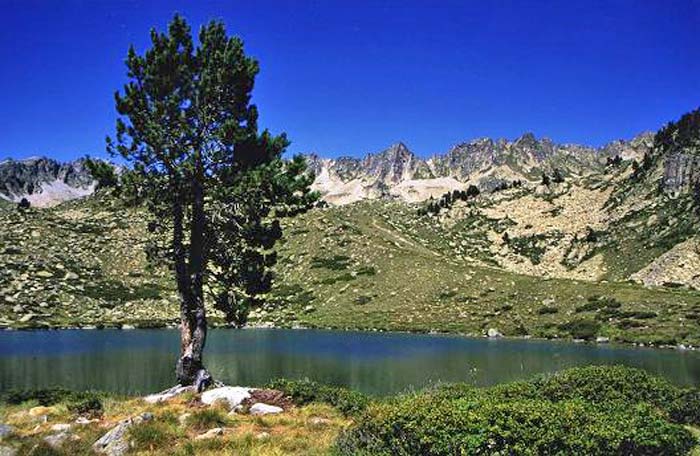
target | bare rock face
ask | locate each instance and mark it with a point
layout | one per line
(43, 181)
(681, 173)
(398, 173)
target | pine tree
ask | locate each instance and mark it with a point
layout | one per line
(212, 182)
(557, 177)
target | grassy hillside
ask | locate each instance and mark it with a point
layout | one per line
(371, 265)
(378, 266)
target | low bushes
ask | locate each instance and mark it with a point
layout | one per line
(82, 403)
(581, 328)
(594, 410)
(305, 391)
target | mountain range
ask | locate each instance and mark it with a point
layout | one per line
(398, 173)
(393, 173)
(605, 239)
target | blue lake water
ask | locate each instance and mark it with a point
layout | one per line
(141, 361)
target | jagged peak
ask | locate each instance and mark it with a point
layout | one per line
(527, 137)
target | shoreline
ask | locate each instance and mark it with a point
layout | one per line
(507, 338)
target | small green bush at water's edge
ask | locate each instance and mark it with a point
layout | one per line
(303, 392)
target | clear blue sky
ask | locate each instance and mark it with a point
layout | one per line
(347, 78)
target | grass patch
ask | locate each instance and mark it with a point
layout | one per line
(207, 418)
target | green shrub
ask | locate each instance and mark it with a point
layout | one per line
(602, 384)
(43, 396)
(686, 407)
(546, 310)
(305, 391)
(86, 404)
(523, 427)
(82, 403)
(599, 303)
(581, 328)
(596, 410)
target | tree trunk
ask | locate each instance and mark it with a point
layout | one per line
(193, 330)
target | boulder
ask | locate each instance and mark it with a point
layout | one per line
(7, 451)
(5, 430)
(56, 440)
(116, 442)
(494, 333)
(234, 395)
(264, 409)
(602, 340)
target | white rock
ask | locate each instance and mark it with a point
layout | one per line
(81, 420)
(56, 440)
(234, 395)
(167, 394)
(60, 427)
(494, 333)
(602, 340)
(265, 409)
(7, 451)
(182, 419)
(210, 434)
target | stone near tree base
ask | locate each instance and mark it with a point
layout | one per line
(264, 409)
(168, 394)
(116, 442)
(203, 380)
(233, 395)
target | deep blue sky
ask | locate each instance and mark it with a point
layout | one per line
(354, 77)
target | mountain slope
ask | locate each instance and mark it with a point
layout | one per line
(369, 265)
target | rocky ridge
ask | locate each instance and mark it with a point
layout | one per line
(43, 181)
(398, 173)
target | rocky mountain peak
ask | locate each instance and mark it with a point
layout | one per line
(44, 181)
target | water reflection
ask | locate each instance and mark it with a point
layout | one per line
(141, 361)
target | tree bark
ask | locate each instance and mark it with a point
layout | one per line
(193, 329)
